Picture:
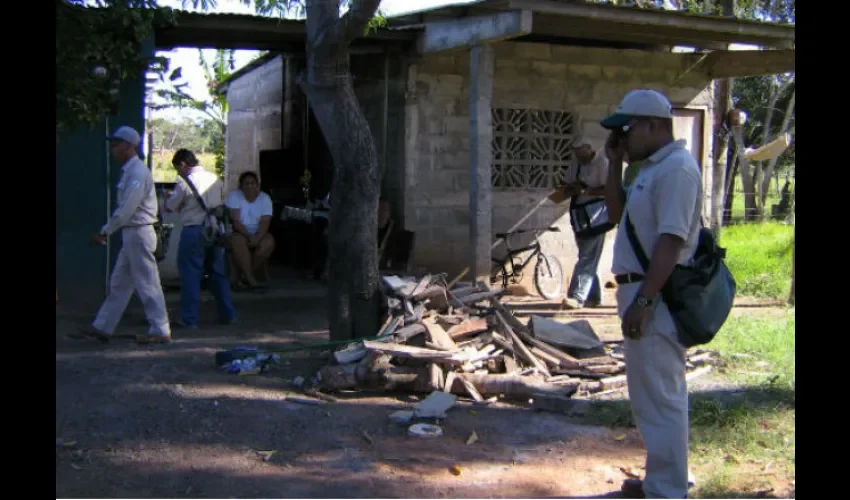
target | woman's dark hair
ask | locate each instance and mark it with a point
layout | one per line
(245, 175)
(184, 155)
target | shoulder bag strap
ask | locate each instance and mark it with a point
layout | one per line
(195, 192)
(636, 246)
(578, 179)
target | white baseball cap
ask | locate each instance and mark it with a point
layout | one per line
(579, 141)
(126, 134)
(640, 102)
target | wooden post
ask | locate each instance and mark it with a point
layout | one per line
(480, 152)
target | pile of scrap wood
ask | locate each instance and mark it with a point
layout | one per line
(463, 340)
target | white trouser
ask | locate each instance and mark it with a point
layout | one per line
(135, 269)
(655, 371)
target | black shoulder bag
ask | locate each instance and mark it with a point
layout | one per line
(591, 217)
(163, 234)
(699, 296)
(216, 225)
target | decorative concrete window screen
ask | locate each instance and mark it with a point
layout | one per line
(531, 147)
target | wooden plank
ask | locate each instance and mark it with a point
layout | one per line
(468, 328)
(421, 286)
(546, 357)
(476, 297)
(439, 336)
(520, 348)
(406, 351)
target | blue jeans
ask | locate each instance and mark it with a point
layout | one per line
(193, 258)
(584, 285)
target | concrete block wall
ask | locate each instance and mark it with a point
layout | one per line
(587, 82)
(253, 120)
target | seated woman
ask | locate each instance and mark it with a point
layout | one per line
(251, 243)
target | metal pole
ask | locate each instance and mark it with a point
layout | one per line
(108, 205)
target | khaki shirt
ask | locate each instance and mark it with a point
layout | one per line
(183, 201)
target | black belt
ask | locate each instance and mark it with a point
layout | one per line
(623, 279)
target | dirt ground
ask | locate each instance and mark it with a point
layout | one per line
(145, 422)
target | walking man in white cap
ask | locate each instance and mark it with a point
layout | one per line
(662, 207)
(589, 218)
(136, 267)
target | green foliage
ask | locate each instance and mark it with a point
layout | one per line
(752, 94)
(98, 45)
(759, 256)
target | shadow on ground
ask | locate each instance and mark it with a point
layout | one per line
(149, 422)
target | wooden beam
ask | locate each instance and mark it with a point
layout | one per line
(739, 63)
(481, 67)
(743, 31)
(466, 32)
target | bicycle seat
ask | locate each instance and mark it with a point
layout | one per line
(554, 229)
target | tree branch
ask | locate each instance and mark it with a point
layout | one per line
(354, 22)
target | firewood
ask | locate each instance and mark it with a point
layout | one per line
(448, 322)
(465, 291)
(477, 297)
(408, 332)
(512, 386)
(468, 328)
(421, 286)
(550, 360)
(439, 336)
(406, 351)
(520, 348)
(511, 365)
(436, 297)
(597, 361)
(396, 322)
(470, 388)
(609, 369)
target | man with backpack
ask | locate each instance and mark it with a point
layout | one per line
(589, 219)
(197, 197)
(660, 212)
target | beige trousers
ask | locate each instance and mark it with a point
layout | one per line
(135, 270)
(658, 393)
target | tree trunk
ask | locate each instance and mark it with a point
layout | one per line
(750, 209)
(723, 90)
(729, 196)
(720, 153)
(771, 165)
(353, 221)
(758, 172)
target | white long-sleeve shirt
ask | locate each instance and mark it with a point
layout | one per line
(183, 200)
(136, 197)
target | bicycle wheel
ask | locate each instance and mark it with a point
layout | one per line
(498, 274)
(548, 276)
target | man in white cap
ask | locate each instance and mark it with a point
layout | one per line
(135, 268)
(585, 183)
(662, 204)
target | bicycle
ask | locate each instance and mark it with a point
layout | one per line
(548, 273)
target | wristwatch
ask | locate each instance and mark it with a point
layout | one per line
(642, 301)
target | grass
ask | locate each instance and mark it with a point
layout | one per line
(164, 172)
(759, 255)
(740, 442)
